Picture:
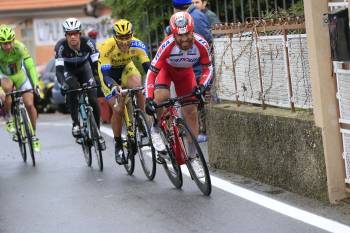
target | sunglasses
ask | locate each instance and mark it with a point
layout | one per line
(5, 43)
(72, 33)
(124, 38)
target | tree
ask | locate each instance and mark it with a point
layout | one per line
(149, 17)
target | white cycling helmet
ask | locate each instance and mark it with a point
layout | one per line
(71, 24)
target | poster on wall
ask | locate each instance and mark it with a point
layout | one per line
(49, 31)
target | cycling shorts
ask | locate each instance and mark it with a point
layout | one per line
(20, 80)
(120, 76)
(183, 79)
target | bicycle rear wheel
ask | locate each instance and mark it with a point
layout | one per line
(172, 169)
(129, 149)
(199, 174)
(145, 148)
(21, 137)
(28, 133)
(94, 135)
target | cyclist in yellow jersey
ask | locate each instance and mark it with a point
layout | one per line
(117, 68)
(17, 69)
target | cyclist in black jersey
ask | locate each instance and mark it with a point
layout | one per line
(76, 64)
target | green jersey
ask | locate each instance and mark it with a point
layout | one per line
(12, 64)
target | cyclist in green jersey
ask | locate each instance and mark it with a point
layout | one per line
(17, 69)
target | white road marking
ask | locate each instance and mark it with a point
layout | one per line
(277, 206)
(280, 207)
(54, 124)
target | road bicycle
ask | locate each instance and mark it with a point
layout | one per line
(136, 137)
(24, 129)
(177, 137)
(90, 134)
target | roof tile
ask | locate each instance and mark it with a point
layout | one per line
(21, 5)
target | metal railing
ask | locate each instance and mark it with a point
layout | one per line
(263, 62)
(242, 10)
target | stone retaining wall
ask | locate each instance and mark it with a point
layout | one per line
(273, 146)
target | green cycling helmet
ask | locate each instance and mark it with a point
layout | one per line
(6, 34)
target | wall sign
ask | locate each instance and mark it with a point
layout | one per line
(49, 31)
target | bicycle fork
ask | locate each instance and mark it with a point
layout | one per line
(174, 139)
(21, 122)
(130, 134)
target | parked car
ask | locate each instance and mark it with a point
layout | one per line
(46, 83)
(56, 99)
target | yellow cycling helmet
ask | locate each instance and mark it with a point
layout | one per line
(122, 27)
(6, 34)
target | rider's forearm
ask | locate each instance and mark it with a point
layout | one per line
(109, 81)
(146, 66)
(31, 70)
(207, 75)
(150, 80)
(60, 74)
(94, 68)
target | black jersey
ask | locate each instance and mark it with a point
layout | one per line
(69, 60)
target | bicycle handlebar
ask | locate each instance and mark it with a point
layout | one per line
(17, 93)
(126, 90)
(83, 88)
(178, 99)
(132, 91)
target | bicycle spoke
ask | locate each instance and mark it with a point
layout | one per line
(194, 158)
(144, 145)
(128, 146)
(94, 136)
(28, 133)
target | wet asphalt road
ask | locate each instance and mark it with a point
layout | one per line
(62, 195)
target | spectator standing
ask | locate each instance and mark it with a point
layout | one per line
(92, 34)
(202, 6)
(202, 27)
(201, 23)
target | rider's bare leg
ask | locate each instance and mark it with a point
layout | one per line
(28, 99)
(133, 82)
(160, 95)
(7, 86)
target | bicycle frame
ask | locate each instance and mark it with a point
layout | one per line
(178, 136)
(137, 137)
(24, 128)
(84, 109)
(84, 106)
(128, 120)
(16, 106)
(168, 124)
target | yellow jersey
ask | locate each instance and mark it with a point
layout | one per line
(110, 54)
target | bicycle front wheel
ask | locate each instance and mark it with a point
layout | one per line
(86, 147)
(195, 161)
(94, 135)
(21, 137)
(172, 169)
(129, 148)
(28, 133)
(145, 148)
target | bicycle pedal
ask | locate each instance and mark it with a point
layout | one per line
(79, 141)
(161, 157)
(123, 162)
(15, 138)
(160, 160)
(102, 147)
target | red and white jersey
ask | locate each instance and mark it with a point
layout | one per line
(169, 53)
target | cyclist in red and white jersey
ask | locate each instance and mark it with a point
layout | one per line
(173, 63)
